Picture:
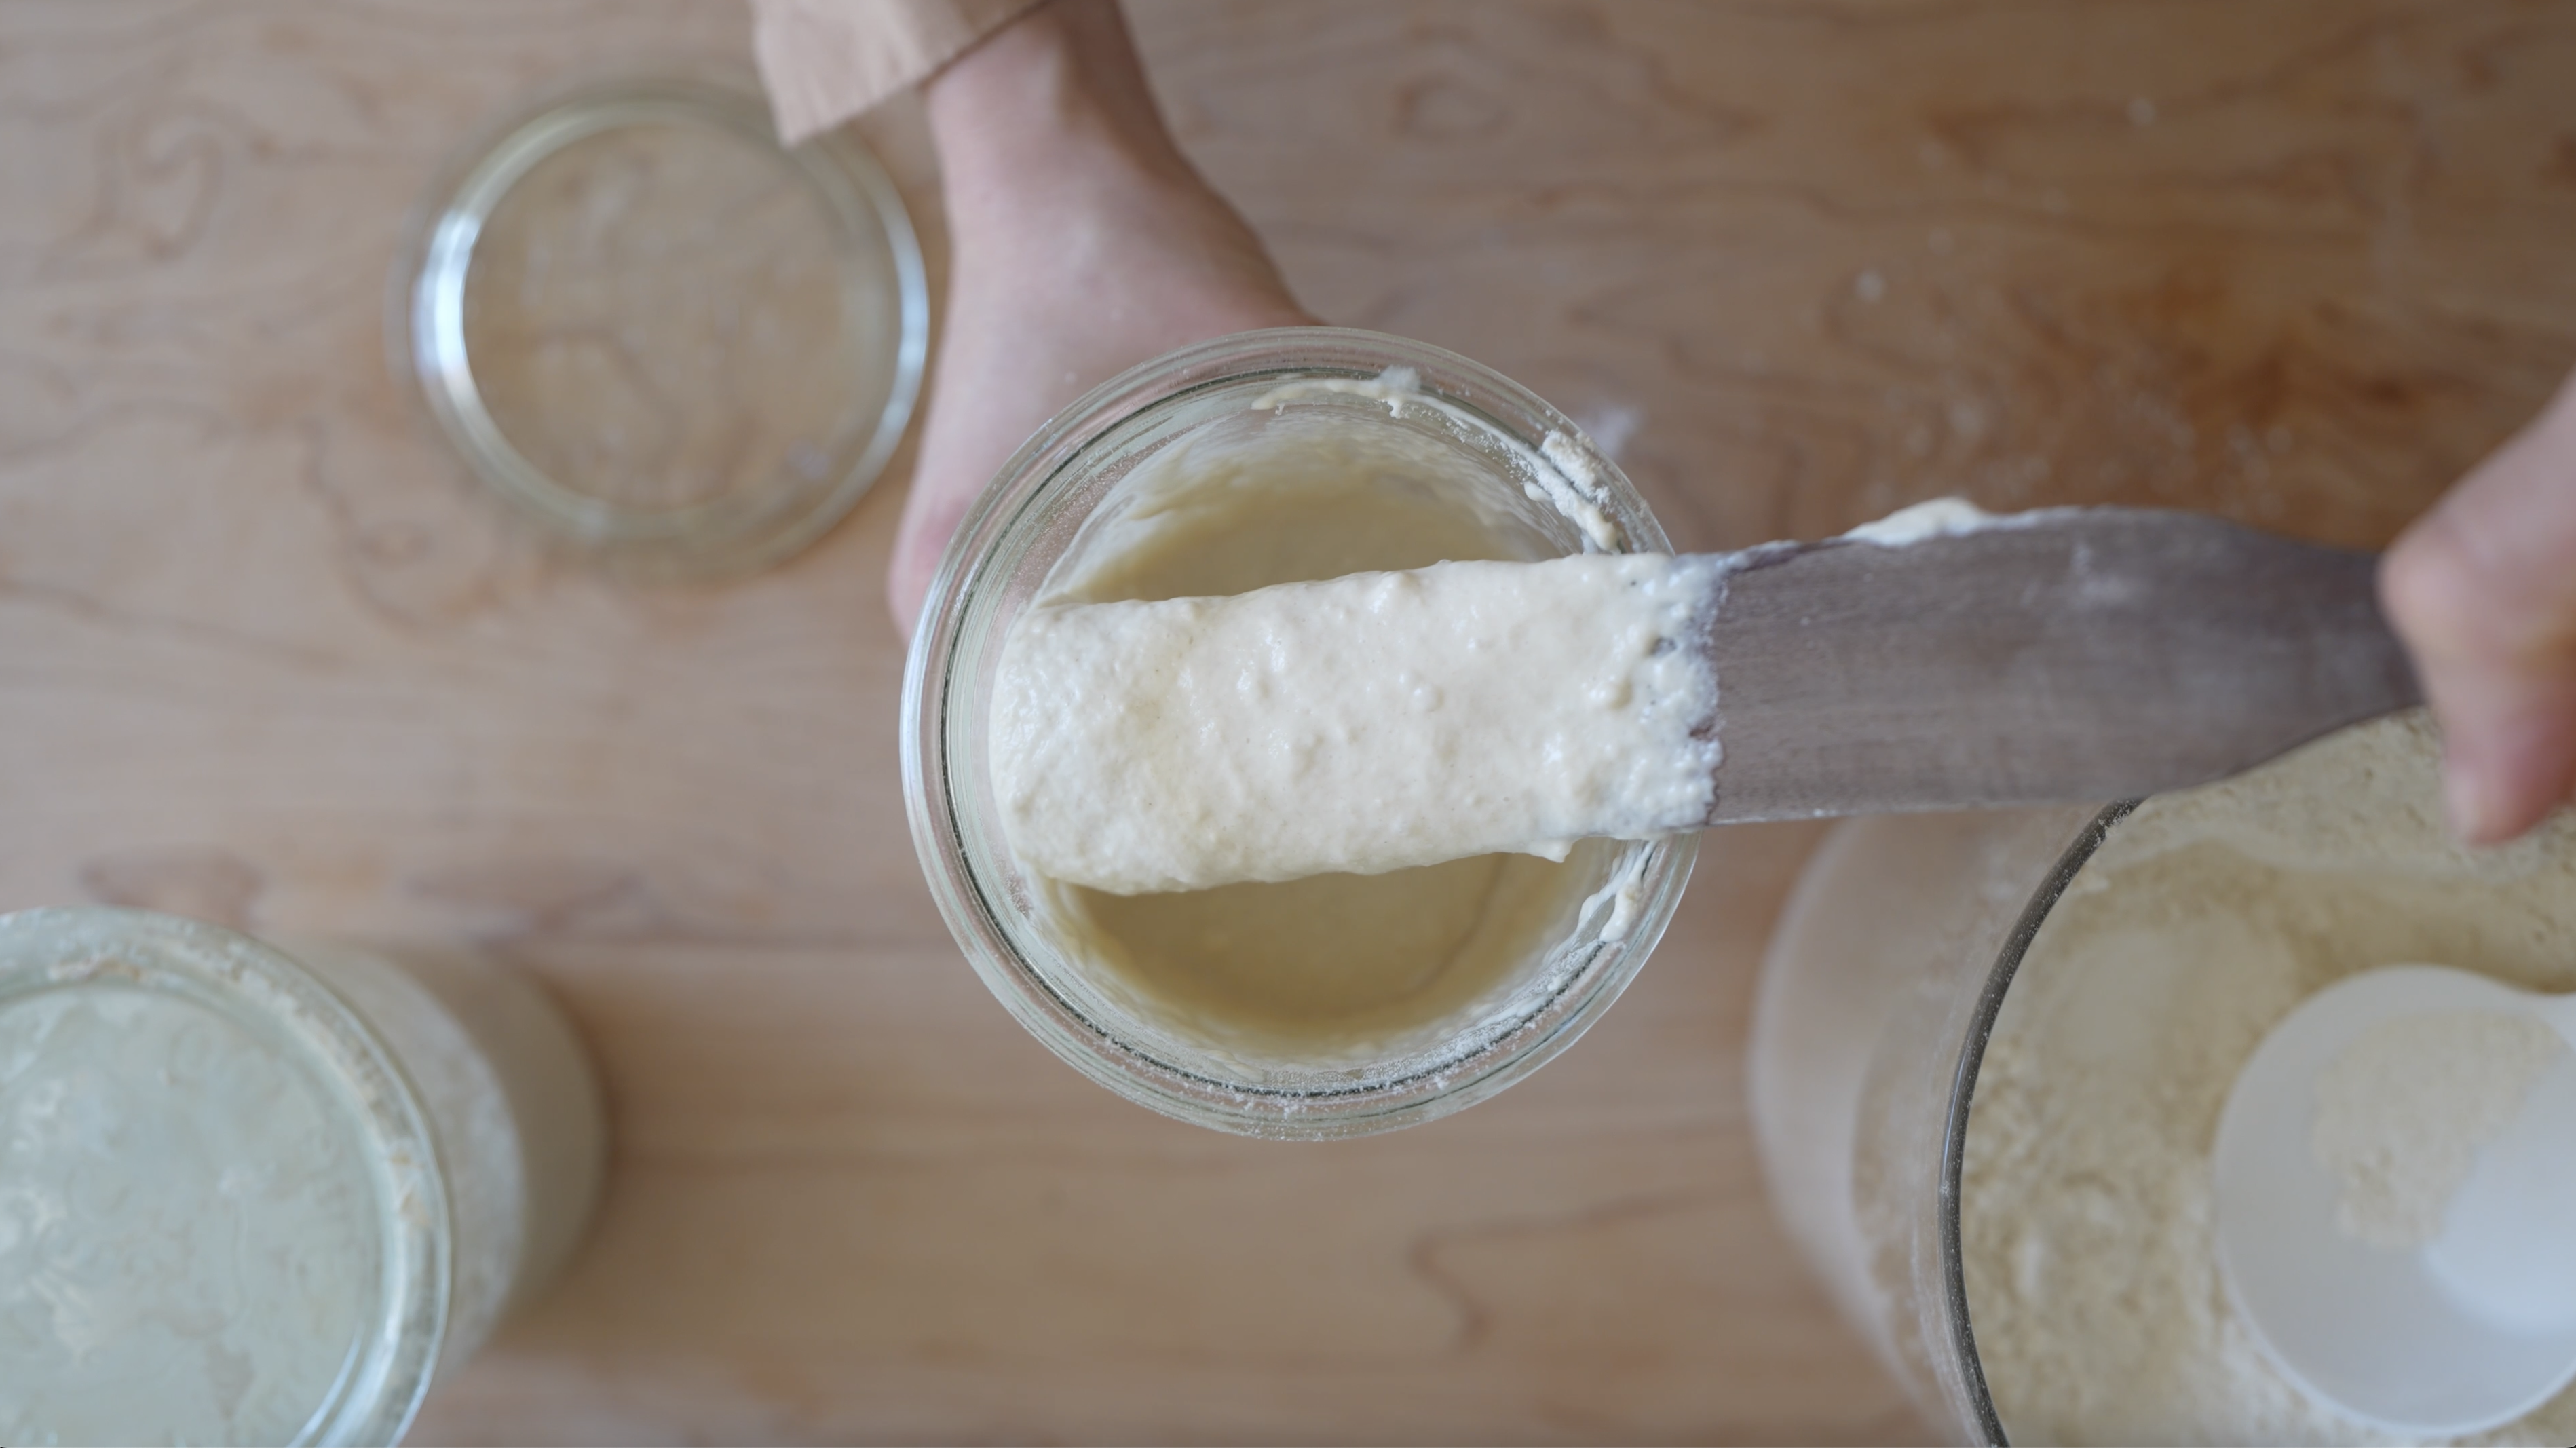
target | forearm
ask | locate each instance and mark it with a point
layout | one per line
(1049, 139)
(1052, 116)
(1060, 86)
(1081, 243)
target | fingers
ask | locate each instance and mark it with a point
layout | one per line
(2483, 591)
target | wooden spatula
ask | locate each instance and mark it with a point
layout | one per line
(2073, 655)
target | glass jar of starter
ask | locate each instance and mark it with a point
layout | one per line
(248, 1196)
(1331, 1006)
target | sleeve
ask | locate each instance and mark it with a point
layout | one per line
(824, 61)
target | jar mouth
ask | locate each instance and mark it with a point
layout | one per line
(234, 983)
(1000, 560)
(669, 346)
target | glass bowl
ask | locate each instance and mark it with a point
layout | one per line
(1893, 976)
(674, 348)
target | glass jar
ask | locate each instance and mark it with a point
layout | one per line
(1530, 473)
(672, 347)
(247, 1196)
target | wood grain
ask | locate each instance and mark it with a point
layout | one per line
(266, 656)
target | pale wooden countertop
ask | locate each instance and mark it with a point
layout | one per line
(267, 657)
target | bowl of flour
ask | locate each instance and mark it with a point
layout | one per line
(1988, 1069)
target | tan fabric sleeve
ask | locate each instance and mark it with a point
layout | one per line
(824, 61)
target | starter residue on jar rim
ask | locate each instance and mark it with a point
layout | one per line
(1337, 967)
(1560, 472)
(2084, 1210)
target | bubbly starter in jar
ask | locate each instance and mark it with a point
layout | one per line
(1313, 967)
(1369, 723)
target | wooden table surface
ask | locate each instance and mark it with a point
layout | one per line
(267, 656)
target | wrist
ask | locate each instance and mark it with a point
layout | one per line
(1055, 98)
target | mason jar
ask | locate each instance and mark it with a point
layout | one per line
(248, 1196)
(1512, 472)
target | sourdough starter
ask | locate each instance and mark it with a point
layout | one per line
(1334, 965)
(1360, 725)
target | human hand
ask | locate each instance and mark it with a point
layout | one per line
(2483, 591)
(1084, 243)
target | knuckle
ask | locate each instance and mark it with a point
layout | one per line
(2440, 594)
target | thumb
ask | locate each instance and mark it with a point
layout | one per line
(2483, 591)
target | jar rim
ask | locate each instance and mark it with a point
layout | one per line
(1001, 527)
(1989, 1006)
(57, 948)
(876, 254)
